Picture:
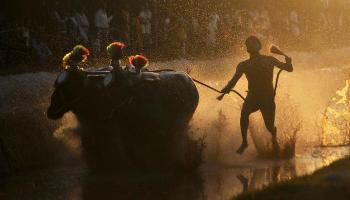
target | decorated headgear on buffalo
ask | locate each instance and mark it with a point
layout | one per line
(138, 61)
(115, 50)
(78, 54)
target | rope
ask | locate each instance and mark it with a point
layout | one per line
(208, 86)
(162, 70)
(204, 84)
(277, 79)
(216, 90)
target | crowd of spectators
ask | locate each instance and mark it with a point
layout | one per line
(168, 29)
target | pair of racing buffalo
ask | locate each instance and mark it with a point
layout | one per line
(140, 125)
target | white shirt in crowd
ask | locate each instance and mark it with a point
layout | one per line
(212, 28)
(341, 19)
(73, 20)
(265, 20)
(83, 25)
(195, 25)
(294, 17)
(293, 22)
(72, 27)
(101, 19)
(61, 21)
(325, 3)
(145, 18)
(25, 35)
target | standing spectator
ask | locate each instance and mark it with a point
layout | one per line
(120, 26)
(164, 35)
(83, 24)
(325, 3)
(326, 15)
(72, 27)
(212, 31)
(181, 36)
(58, 20)
(294, 23)
(224, 40)
(102, 25)
(146, 25)
(95, 45)
(41, 50)
(265, 23)
(25, 33)
(341, 20)
(136, 34)
(194, 36)
(125, 34)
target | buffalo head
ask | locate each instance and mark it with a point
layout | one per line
(69, 89)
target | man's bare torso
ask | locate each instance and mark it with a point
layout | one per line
(259, 73)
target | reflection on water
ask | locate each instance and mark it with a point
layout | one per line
(150, 186)
(226, 183)
(27, 136)
(212, 182)
(317, 158)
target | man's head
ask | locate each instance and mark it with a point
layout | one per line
(253, 45)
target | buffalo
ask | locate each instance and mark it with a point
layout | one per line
(130, 121)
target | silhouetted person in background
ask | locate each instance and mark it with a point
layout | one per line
(102, 24)
(261, 96)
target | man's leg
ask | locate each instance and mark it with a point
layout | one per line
(246, 111)
(268, 112)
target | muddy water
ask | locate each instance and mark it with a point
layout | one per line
(302, 98)
(214, 182)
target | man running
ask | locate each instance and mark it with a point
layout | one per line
(261, 96)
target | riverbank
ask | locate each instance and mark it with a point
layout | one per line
(332, 182)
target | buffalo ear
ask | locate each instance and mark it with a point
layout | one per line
(62, 78)
(108, 80)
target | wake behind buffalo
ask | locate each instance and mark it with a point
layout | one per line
(129, 118)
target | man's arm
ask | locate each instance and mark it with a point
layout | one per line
(288, 66)
(234, 80)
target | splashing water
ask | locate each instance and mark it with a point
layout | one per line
(289, 124)
(304, 93)
(302, 98)
(336, 119)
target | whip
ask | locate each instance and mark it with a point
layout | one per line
(216, 90)
(277, 51)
